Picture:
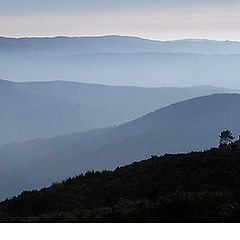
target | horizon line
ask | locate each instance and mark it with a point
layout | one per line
(111, 85)
(118, 35)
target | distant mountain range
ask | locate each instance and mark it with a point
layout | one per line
(46, 109)
(121, 60)
(114, 44)
(186, 126)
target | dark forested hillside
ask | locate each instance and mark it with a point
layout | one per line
(193, 187)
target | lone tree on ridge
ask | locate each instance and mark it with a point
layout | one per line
(226, 137)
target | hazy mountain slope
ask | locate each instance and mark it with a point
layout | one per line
(118, 60)
(31, 110)
(190, 125)
(138, 69)
(26, 115)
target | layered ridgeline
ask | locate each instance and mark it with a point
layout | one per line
(46, 109)
(114, 44)
(119, 60)
(194, 187)
(186, 126)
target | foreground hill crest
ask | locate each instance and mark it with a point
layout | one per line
(193, 187)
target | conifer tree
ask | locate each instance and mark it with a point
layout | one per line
(226, 137)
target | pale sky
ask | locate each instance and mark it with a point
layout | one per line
(154, 19)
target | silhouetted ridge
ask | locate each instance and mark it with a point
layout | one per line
(193, 187)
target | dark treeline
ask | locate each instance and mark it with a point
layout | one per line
(193, 187)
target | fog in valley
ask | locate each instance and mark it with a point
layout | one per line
(186, 126)
(45, 109)
(119, 112)
(116, 60)
(69, 105)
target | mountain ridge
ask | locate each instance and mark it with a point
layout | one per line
(191, 187)
(135, 69)
(156, 133)
(61, 107)
(121, 86)
(116, 39)
(121, 60)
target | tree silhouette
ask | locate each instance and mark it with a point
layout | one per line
(226, 137)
